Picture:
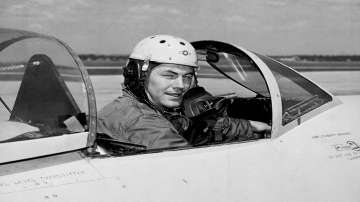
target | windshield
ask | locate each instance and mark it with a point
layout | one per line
(298, 95)
(42, 92)
(237, 69)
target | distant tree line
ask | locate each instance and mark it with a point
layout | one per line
(113, 58)
(103, 59)
(319, 58)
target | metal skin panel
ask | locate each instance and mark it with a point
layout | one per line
(315, 161)
(19, 150)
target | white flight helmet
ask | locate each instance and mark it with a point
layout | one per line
(165, 49)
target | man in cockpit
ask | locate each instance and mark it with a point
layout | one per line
(159, 71)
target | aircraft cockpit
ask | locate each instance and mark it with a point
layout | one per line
(48, 102)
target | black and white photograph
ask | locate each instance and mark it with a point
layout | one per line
(159, 101)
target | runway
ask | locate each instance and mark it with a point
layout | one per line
(108, 87)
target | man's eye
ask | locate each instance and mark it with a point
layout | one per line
(188, 77)
(170, 76)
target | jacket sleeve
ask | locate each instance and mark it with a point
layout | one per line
(229, 129)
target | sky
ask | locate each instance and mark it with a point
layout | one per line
(272, 27)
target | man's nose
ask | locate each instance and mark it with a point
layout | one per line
(179, 82)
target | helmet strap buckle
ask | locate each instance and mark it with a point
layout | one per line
(145, 66)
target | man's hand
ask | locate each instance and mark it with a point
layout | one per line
(259, 126)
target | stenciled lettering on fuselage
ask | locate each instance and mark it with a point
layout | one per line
(349, 145)
(342, 145)
(51, 177)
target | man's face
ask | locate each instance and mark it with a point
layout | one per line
(167, 84)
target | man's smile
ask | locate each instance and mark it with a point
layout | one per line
(175, 95)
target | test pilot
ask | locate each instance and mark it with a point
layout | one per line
(160, 69)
